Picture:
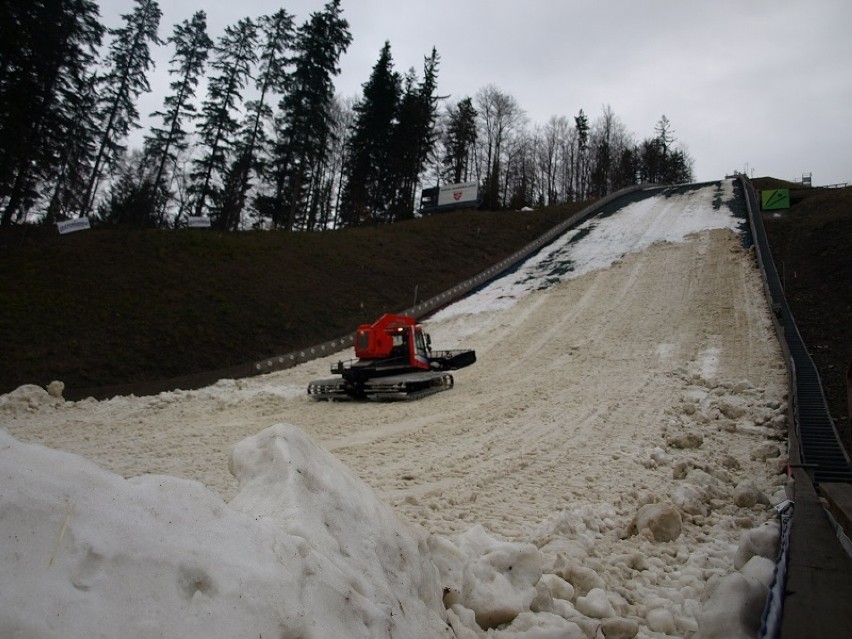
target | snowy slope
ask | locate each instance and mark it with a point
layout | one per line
(607, 466)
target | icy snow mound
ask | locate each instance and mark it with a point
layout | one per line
(305, 550)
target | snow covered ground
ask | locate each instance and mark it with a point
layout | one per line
(607, 468)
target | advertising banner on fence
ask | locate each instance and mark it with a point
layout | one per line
(69, 226)
(198, 222)
(458, 193)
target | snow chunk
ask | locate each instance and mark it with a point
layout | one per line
(463, 622)
(731, 409)
(541, 625)
(558, 587)
(55, 389)
(747, 495)
(27, 398)
(619, 628)
(662, 521)
(763, 541)
(498, 580)
(661, 620)
(658, 455)
(732, 607)
(686, 441)
(767, 450)
(743, 386)
(583, 579)
(761, 569)
(596, 604)
(691, 499)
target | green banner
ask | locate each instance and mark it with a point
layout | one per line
(775, 199)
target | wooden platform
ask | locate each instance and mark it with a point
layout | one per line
(818, 600)
(838, 500)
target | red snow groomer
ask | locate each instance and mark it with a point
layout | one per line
(394, 360)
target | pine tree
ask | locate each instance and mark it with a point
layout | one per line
(680, 167)
(599, 175)
(278, 33)
(413, 136)
(460, 141)
(233, 192)
(305, 121)
(128, 62)
(581, 123)
(650, 162)
(131, 197)
(343, 119)
(234, 56)
(665, 137)
(676, 163)
(76, 154)
(520, 178)
(624, 172)
(46, 50)
(192, 46)
(402, 149)
(659, 162)
(368, 192)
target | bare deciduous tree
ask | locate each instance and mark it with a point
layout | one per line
(500, 116)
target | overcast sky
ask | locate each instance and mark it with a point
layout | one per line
(760, 86)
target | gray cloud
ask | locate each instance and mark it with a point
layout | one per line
(762, 86)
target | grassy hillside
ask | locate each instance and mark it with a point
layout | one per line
(113, 307)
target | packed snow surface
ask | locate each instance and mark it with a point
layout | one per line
(607, 468)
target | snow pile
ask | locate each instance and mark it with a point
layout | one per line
(30, 398)
(307, 549)
(304, 550)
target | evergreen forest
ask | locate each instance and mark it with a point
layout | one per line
(252, 134)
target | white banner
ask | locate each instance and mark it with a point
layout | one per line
(69, 226)
(458, 193)
(198, 222)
